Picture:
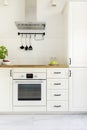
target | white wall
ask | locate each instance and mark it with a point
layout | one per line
(65, 16)
(54, 43)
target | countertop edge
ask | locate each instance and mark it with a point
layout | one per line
(34, 66)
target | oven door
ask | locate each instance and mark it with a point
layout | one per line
(29, 92)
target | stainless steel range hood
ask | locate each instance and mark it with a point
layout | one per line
(30, 22)
(30, 25)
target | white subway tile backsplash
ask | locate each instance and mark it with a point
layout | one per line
(52, 45)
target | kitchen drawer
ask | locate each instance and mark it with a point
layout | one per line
(57, 95)
(57, 73)
(57, 106)
(57, 83)
(29, 70)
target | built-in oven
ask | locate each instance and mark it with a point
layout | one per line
(29, 89)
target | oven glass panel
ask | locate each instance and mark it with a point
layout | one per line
(29, 92)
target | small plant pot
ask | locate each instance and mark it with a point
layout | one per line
(1, 61)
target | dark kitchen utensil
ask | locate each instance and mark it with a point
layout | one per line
(30, 47)
(21, 47)
(26, 47)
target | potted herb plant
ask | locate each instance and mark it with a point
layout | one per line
(3, 53)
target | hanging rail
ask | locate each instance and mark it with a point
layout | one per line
(32, 33)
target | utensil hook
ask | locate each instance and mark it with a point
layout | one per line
(30, 39)
(21, 37)
(38, 39)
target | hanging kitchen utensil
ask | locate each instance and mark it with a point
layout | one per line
(26, 47)
(39, 37)
(21, 47)
(30, 47)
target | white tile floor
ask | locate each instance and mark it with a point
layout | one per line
(43, 122)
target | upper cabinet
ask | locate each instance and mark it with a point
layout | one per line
(77, 33)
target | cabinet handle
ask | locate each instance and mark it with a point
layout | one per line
(57, 72)
(57, 95)
(70, 74)
(57, 106)
(10, 73)
(57, 83)
(69, 61)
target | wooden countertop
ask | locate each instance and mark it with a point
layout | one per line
(33, 66)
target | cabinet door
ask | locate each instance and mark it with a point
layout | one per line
(5, 90)
(78, 89)
(78, 33)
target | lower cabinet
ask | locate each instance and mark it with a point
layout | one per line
(57, 106)
(5, 90)
(57, 90)
(78, 90)
(60, 97)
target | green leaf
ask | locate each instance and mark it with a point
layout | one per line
(3, 52)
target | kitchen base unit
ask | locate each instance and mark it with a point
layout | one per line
(78, 90)
(5, 90)
(57, 90)
(25, 90)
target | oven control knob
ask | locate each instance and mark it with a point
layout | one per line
(35, 76)
(22, 76)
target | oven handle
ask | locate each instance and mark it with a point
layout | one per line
(29, 82)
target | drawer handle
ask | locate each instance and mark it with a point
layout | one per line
(57, 72)
(57, 106)
(56, 95)
(57, 83)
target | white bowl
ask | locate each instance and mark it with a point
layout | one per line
(7, 63)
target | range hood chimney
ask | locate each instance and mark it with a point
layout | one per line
(31, 10)
(30, 21)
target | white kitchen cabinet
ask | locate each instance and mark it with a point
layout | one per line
(5, 90)
(78, 90)
(57, 89)
(54, 73)
(77, 41)
(77, 33)
(57, 106)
